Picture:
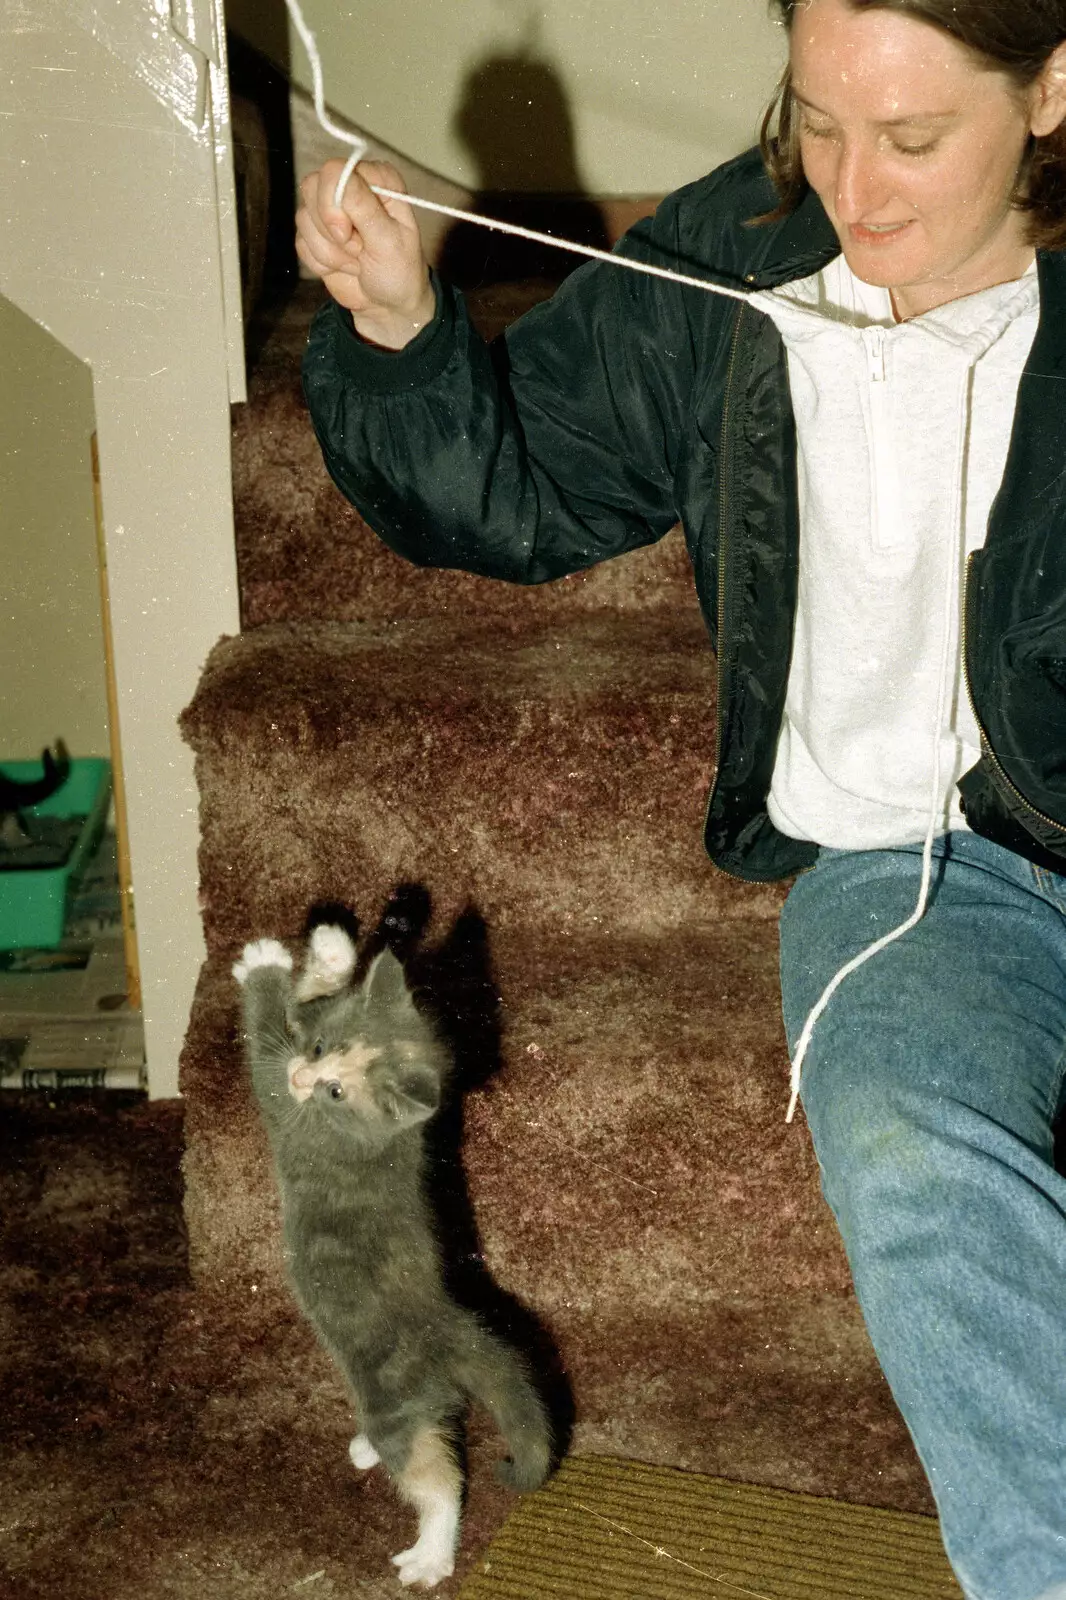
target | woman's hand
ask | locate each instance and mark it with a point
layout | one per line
(367, 252)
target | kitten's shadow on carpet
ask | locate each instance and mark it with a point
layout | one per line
(454, 980)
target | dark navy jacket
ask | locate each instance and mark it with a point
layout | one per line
(626, 404)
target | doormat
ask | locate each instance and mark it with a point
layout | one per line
(604, 1529)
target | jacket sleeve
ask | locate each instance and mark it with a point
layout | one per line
(541, 455)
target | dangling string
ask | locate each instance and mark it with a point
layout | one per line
(359, 149)
(359, 146)
(936, 798)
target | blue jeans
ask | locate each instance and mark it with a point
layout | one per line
(931, 1086)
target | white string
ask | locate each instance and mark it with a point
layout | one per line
(359, 146)
(872, 950)
(936, 803)
(564, 244)
(359, 149)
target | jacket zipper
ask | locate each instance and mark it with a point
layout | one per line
(874, 340)
(986, 748)
(724, 479)
(885, 531)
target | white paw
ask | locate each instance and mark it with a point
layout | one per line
(362, 1454)
(332, 952)
(263, 953)
(427, 1562)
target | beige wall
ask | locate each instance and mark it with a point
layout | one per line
(657, 94)
(114, 146)
(51, 643)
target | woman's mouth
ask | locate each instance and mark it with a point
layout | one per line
(877, 233)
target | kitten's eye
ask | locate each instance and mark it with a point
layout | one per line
(317, 1050)
(336, 1090)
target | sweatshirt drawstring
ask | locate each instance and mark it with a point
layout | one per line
(936, 800)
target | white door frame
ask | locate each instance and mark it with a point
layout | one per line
(119, 238)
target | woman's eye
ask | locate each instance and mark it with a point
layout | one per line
(809, 130)
(336, 1091)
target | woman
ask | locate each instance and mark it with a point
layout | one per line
(869, 461)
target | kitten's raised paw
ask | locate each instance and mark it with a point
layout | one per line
(332, 951)
(362, 1454)
(426, 1563)
(262, 953)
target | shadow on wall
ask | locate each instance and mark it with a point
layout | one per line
(515, 121)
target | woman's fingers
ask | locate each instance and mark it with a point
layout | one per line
(386, 176)
(319, 263)
(367, 250)
(373, 216)
(361, 210)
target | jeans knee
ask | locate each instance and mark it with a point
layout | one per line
(874, 1139)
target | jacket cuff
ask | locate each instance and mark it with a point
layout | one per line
(388, 371)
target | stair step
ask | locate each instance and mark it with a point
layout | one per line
(646, 1084)
(305, 554)
(635, 1185)
(626, 1145)
(552, 778)
(538, 761)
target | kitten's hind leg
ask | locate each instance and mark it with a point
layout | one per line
(362, 1454)
(431, 1482)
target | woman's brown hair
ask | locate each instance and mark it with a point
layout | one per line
(1016, 37)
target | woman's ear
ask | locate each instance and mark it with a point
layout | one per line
(1049, 95)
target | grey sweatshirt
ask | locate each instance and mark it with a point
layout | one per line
(903, 432)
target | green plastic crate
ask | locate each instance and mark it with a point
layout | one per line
(33, 901)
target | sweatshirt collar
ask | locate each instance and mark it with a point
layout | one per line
(805, 241)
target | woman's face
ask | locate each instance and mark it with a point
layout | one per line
(914, 150)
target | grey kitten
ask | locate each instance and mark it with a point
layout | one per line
(346, 1079)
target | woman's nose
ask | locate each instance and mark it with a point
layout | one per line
(860, 191)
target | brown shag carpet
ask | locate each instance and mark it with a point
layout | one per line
(163, 1440)
(512, 780)
(155, 1440)
(528, 770)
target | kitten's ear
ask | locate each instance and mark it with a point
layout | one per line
(410, 1096)
(385, 986)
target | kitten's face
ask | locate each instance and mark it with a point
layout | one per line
(332, 1054)
(365, 1056)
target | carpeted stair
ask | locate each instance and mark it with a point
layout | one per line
(533, 766)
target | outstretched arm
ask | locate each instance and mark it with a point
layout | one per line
(552, 450)
(265, 975)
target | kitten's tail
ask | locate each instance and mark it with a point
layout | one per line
(493, 1373)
